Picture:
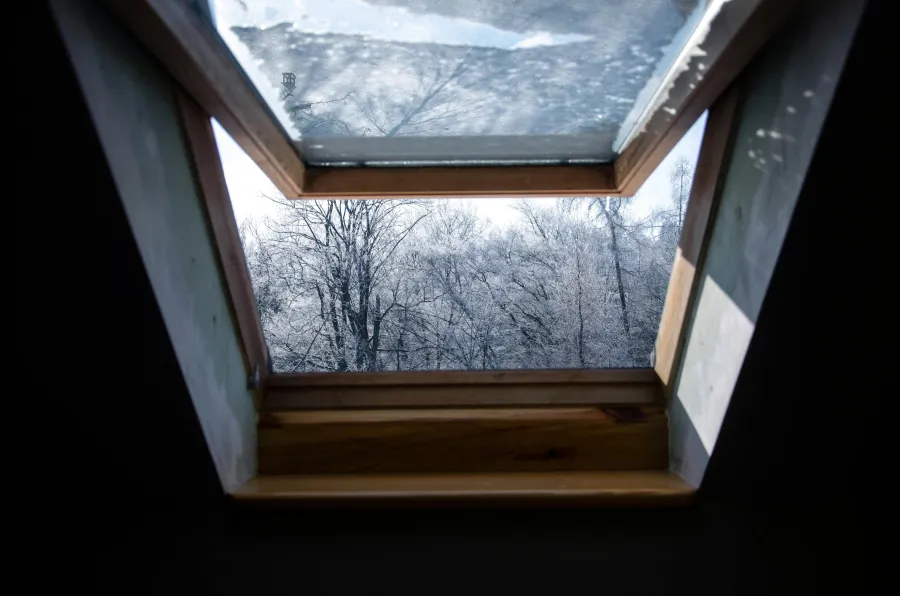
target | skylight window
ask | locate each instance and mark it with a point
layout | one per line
(476, 82)
(461, 284)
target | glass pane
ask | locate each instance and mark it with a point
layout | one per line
(461, 284)
(403, 82)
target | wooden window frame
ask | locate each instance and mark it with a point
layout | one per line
(213, 85)
(436, 389)
(465, 438)
(176, 33)
(709, 175)
(474, 438)
(456, 437)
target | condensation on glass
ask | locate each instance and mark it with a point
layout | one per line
(411, 82)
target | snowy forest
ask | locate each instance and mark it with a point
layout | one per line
(368, 285)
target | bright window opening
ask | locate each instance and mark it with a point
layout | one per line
(460, 284)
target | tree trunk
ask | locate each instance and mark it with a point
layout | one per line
(578, 265)
(616, 260)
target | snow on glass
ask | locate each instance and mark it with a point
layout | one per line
(575, 74)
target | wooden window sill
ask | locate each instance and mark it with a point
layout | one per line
(471, 440)
(657, 488)
(549, 438)
(435, 389)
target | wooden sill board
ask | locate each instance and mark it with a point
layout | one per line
(556, 489)
(463, 440)
(430, 389)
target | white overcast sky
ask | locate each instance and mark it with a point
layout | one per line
(247, 184)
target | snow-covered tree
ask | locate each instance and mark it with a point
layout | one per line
(426, 285)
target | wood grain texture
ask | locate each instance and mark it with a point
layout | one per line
(737, 34)
(481, 181)
(214, 192)
(711, 166)
(426, 395)
(189, 49)
(465, 377)
(463, 440)
(428, 389)
(566, 489)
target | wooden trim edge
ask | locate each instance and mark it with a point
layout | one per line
(440, 389)
(740, 30)
(551, 489)
(474, 396)
(449, 181)
(211, 185)
(179, 38)
(712, 166)
(464, 377)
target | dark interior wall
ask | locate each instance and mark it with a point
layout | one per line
(135, 505)
(133, 103)
(119, 454)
